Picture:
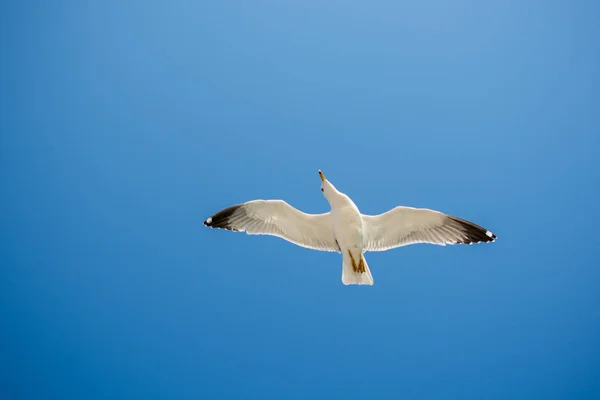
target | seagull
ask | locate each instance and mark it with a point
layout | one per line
(345, 230)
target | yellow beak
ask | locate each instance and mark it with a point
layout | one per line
(322, 176)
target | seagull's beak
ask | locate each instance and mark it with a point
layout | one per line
(323, 179)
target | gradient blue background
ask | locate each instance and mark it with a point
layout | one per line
(125, 124)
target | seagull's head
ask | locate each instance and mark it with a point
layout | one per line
(326, 187)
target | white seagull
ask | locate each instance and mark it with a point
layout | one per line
(346, 230)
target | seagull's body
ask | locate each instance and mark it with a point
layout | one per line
(344, 229)
(348, 230)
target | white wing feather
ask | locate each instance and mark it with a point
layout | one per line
(278, 218)
(403, 226)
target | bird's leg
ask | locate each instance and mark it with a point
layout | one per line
(361, 264)
(354, 267)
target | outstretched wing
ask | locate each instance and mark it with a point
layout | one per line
(278, 218)
(402, 226)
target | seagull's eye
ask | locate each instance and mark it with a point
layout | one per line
(322, 190)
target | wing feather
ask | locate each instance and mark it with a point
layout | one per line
(278, 218)
(403, 226)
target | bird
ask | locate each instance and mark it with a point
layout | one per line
(345, 230)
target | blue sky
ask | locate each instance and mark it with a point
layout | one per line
(125, 124)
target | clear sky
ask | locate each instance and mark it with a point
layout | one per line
(124, 124)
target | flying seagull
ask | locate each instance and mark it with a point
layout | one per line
(346, 230)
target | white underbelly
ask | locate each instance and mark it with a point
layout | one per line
(347, 226)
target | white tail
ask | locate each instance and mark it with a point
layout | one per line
(355, 273)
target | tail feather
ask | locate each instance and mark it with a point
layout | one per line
(354, 273)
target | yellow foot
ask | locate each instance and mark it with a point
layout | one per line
(361, 265)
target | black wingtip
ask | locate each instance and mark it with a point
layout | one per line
(222, 218)
(474, 233)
